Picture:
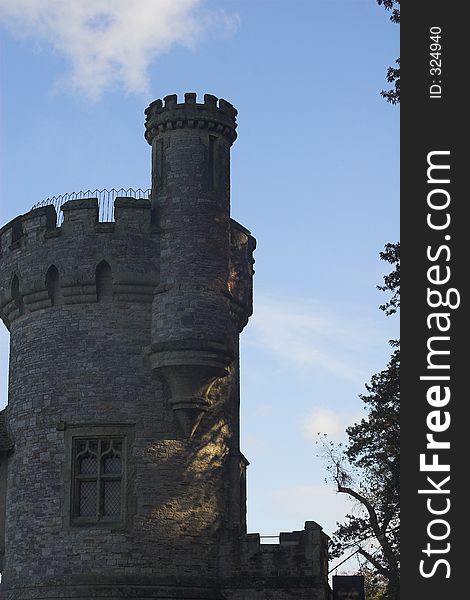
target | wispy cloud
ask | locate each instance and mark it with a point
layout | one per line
(309, 335)
(325, 421)
(111, 42)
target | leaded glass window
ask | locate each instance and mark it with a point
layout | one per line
(98, 479)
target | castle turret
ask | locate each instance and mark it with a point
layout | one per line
(193, 340)
(121, 474)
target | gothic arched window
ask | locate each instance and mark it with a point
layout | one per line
(98, 480)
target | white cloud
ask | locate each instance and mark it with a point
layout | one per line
(111, 42)
(309, 335)
(323, 420)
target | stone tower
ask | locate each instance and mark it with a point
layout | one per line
(121, 474)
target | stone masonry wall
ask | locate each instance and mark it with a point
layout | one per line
(84, 364)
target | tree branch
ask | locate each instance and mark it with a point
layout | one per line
(373, 561)
(379, 532)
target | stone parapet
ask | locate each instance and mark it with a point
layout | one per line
(214, 114)
(299, 553)
(32, 244)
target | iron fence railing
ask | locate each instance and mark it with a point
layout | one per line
(105, 201)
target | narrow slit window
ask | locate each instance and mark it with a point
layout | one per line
(53, 285)
(16, 231)
(16, 294)
(104, 282)
(211, 161)
(158, 165)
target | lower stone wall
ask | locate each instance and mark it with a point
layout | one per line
(115, 592)
(299, 553)
(297, 591)
(165, 589)
(294, 569)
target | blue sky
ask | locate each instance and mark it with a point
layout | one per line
(314, 177)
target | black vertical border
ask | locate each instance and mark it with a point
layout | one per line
(433, 124)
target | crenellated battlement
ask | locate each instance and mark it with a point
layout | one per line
(80, 218)
(32, 243)
(214, 114)
(302, 552)
(106, 199)
(33, 247)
